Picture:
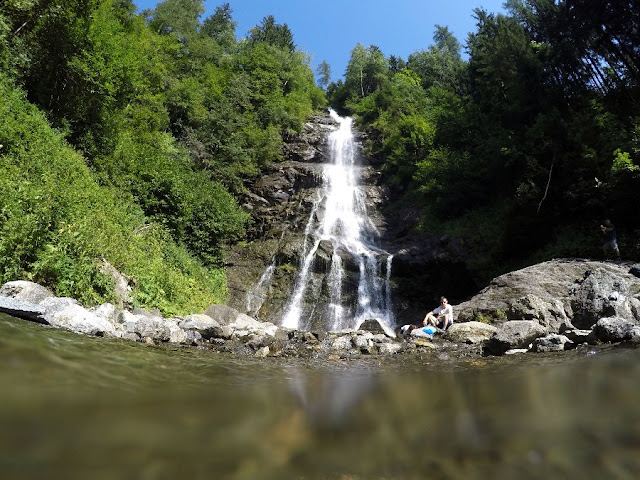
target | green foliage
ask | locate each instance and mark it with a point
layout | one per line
(273, 34)
(511, 150)
(324, 74)
(221, 27)
(177, 17)
(56, 223)
(622, 161)
(168, 117)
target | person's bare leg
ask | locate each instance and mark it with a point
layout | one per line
(430, 319)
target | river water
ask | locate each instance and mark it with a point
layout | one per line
(77, 407)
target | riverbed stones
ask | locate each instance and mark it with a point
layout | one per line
(470, 332)
(513, 335)
(497, 335)
(80, 320)
(205, 325)
(377, 326)
(552, 343)
(616, 329)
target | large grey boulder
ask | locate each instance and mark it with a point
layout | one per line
(21, 309)
(244, 325)
(54, 305)
(222, 314)
(516, 334)
(80, 320)
(552, 343)
(155, 328)
(177, 334)
(109, 312)
(602, 294)
(25, 291)
(616, 329)
(548, 313)
(545, 292)
(206, 326)
(470, 332)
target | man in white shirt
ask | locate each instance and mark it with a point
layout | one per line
(441, 316)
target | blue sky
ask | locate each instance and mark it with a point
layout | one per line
(330, 29)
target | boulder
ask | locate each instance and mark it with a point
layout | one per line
(547, 292)
(389, 348)
(54, 305)
(616, 329)
(121, 287)
(549, 313)
(25, 291)
(109, 312)
(155, 328)
(21, 309)
(515, 334)
(244, 323)
(222, 314)
(342, 343)
(205, 325)
(602, 294)
(376, 326)
(552, 343)
(362, 342)
(80, 320)
(469, 332)
(177, 334)
(578, 336)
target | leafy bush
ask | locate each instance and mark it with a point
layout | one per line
(57, 223)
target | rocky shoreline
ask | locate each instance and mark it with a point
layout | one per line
(548, 307)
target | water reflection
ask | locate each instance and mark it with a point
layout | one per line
(74, 407)
(328, 397)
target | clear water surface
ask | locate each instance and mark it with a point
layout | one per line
(76, 407)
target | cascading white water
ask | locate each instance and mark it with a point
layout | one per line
(346, 225)
(257, 296)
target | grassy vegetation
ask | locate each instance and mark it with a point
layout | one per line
(57, 222)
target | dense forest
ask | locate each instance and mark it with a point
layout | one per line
(126, 137)
(525, 147)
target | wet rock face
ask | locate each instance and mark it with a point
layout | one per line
(602, 294)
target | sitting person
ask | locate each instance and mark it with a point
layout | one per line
(441, 317)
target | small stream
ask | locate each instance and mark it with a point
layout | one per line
(76, 407)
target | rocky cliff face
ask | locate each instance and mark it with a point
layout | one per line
(262, 272)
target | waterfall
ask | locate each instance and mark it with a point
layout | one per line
(339, 218)
(257, 296)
